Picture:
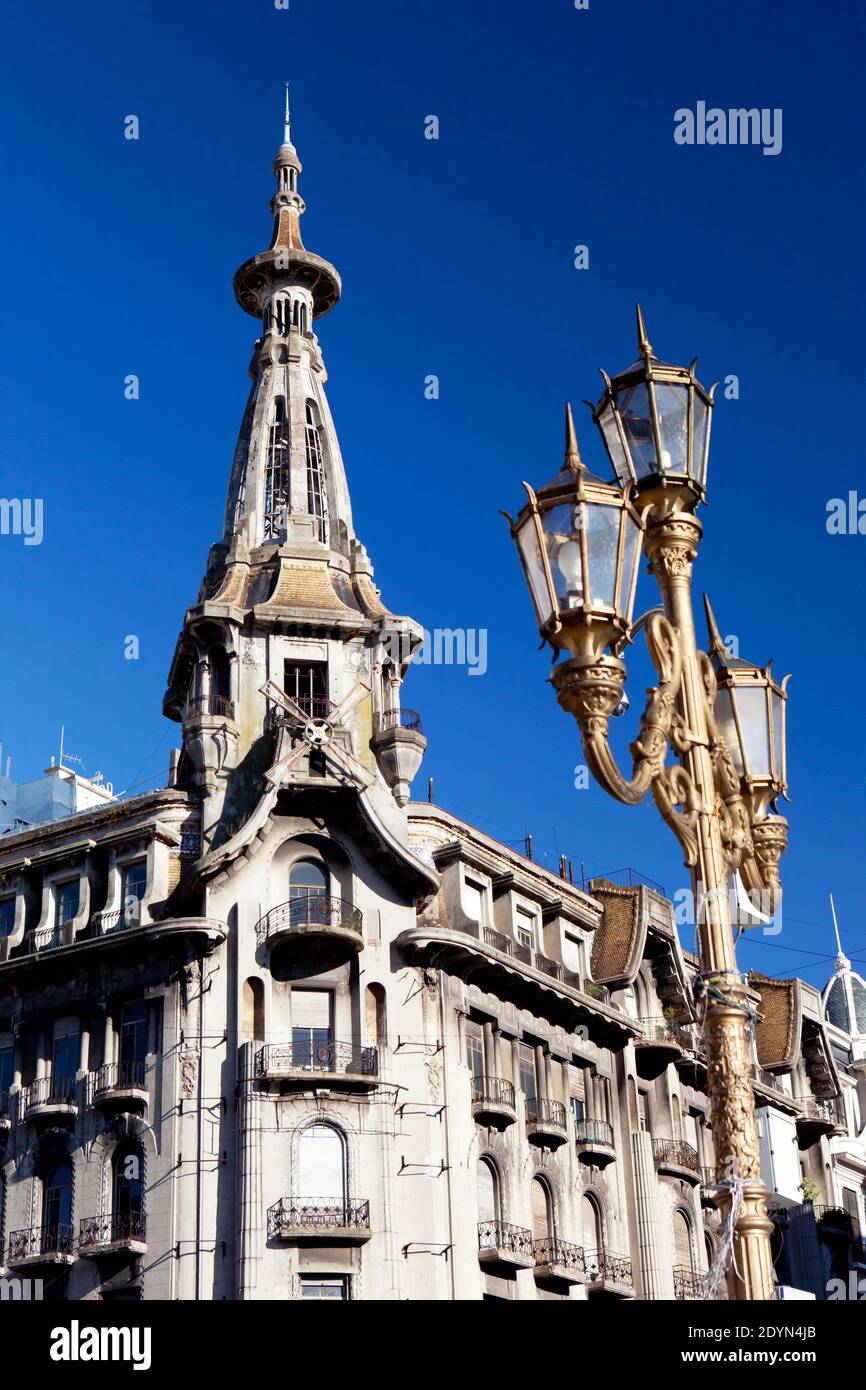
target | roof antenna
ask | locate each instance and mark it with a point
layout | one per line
(842, 961)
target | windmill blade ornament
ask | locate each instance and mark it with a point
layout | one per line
(318, 732)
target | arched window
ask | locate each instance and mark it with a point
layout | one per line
(593, 1234)
(542, 1225)
(315, 469)
(220, 678)
(683, 1253)
(377, 1019)
(308, 877)
(322, 1175)
(254, 1009)
(127, 1202)
(57, 1208)
(488, 1192)
(277, 472)
(304, 321)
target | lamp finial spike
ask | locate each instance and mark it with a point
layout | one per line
(287, 122)
(643, 342)
(716, 643)
(572, 453)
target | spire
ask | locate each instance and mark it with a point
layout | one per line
(842, 961)
(643, 342)
(572, 453)
(287, 121)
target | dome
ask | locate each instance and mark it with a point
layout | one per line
(845, 996)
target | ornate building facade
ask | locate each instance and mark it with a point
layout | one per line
(277, 1032)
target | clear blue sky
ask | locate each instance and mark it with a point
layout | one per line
(457, 259)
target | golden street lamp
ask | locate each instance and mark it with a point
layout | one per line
(723, 719)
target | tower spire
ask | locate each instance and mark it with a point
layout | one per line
(287, 121)
(842, 961)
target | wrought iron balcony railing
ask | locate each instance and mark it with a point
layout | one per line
(498, 941)
(602, 1265)
(553, 1251)
(121, 1076)
(547, 966)
(513, 1240)
(492, 1090)
(34, 1241)
(204, 705)
(400, 719)
(111, 1230)
(540, 1111)
(310, 910)
(318, 1215)
(837, 1219)
(661, 1030)
(678, 1153)
(314, 706)
(49, 1090)
(594, 1132)
(322, 1055)
(688, 1284)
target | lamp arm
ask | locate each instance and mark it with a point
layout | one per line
(591, 688)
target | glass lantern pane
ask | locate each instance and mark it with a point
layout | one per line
(602, 545)
(530, 553)
(778, 707)
(755, 724)
(630, 561)
(613, 443)
(672, 407)
(634, 409)
(727, 728)
(562, 526)
(701, 419)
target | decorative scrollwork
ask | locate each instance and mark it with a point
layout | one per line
(734, 814)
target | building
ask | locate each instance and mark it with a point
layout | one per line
(274, 1031)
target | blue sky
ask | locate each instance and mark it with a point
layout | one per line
(556, 129)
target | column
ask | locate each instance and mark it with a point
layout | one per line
(656, 1282)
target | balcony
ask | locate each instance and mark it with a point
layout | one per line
(498, 941)
(50, 1098)
(556, 1259)
(836, 1221)
(656, 1047)
(320, 1219)
(121, 1086)
(674, 1158)
(210, 707)
(41, 1245)
(608, 1275)
(400, 719)
(594, 1139)
(501, 1244)
(709, 1187)
(399, 743)
(817, 1120)
(493, 1101)
(112, 1235)
(546, 1122)
(688, 1285)
(692, 1061)
(102, 923)
(768, 1090)
(313, 918)
(303, 1063)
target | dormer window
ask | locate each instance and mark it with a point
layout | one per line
(66, 900)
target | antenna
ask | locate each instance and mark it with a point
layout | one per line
(841, 958)
(70, 757)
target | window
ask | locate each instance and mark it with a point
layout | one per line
(312, 1033)
(254, 1009)
(527, 1071)
(306, 682)
(7, 1068)
(577, 1088)
(376, 1009)
(66, 898)
(475, 901)
(683, 1256)
(133, 884)
(542, 1225)
(488, 1192)
(315, 469)
(475, 1048)
(7, 916)
(314, 1286)
(57, 1208)
(593, 1234)
(127, 1205)
(309, 883)
(525, 929)
(642, 1112)
(322, 1166)
(132, 1053)
(277, 472)
(66, 1051)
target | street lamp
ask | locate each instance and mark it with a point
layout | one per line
(724, 721)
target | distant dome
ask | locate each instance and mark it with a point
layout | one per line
(837, 1003)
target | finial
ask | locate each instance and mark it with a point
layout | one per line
(842, 961)
(643, 342)
(572, 453)
(287, 125)
(716, 643)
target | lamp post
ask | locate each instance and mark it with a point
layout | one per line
(579, 541)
